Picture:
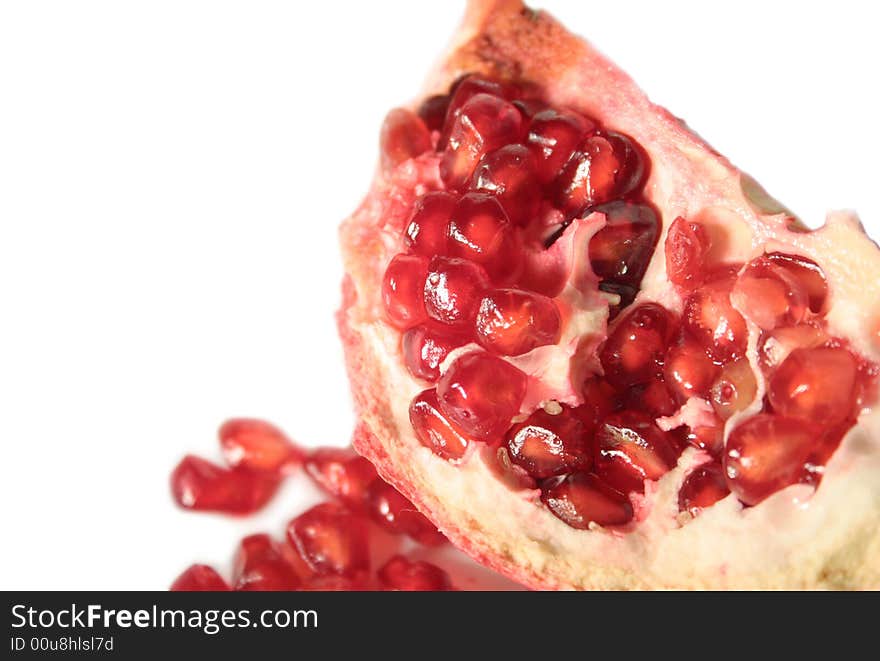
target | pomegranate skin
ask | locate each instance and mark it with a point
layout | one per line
(833, 542)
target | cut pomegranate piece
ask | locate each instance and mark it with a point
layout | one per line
(404, 136)
(620, 251)
(341, 472)
(400, 573)
(402, 290)
(582, 499)
(636, 346)
(259, 566)
(686, 246)
(632, 449)
(734, 389)
(767, 453)
(480, 393)
(395, 513)
(433, 429)
(258, 445)
(199, 578)
(703, 488)
(331, 539)
(425, 347)
(553, 136)
(425, 234)
(480, 231)
(511, 322)
(453, 290)
(816, 385)
(197, 484)
(713, 321)
(688, 370)
(508, 173)
(546, 445)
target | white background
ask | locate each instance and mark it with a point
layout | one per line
(171, 178)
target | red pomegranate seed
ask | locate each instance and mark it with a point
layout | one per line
(767, 453)
(511, 322)
(653, 397)
(771, 294)
(394, 512)
(259, 566)
(334, 583)
(433, 111)
(546, 445)
(580, 499)
(632, 449)
(480, 231)
(713, 322)
(406, 575)
(817, 385)
(776, 345)
(197, 484)
(709, 438)
(553, 136)
(402, 290)
(480, 394)
(734, 389)
(403, 136)
(258, 445)
(331, 540)
(598, 401)
(453, 290)
(808, 274)
(508, 173)
(425, 234)
(342, 473)
(621, 250)
(686, 245)
(425, 347)
(199, 578)
(688, 370)
(466, 88)
(602, 168)
(433, 429)
(484, 123)
(634, 350)
(702, 488)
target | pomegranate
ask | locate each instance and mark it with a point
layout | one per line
(591, 352)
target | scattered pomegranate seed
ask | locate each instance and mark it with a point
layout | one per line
(702, 488)
(341, 472)
(402, 290)
(634, 350)
(395, 513)
(425, 234)
(402, 574)
(632, 449)
(199, 578)
(712, 320)
(433, 111)
(553, 136)
(688, 370)
(259, 566)
(767, 453)
(546, 445)
(198, 484)
(816, 385)
(580, 499)
(511, 322)
(433, 429)
(426, 346)
(481, 232)
(453, 290)
(258, 445)
(734, 389)
(620, 251)
(331, 540)
(403, 136)
(508, 173)
(686, 245)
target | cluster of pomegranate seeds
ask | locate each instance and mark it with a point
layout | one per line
(327, 547)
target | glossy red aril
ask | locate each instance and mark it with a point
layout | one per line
(197, 484)
(598, 401)
(259, 566)
(453, 290)
(769, 294)
(342, 473)
(634, 350)
(816, 385)
(480, 393)
(621, 250)
(399, 573)
(462, 91)
(632, 449)
(433, 111)
(734, 389)
(767, 453)
(258, 445)
(776, 345)
(426, 346)
(403, 290)
(331, 539)
(653, 397)
(709, 437)
(686, 246)
(508, 173)
(433, 429)
(425, 233)
(199, 578)
(704, 487)
(394, 512)
(484, 123)
(403, 136)
(809, 276)
(688, 370)
(581, 499)
(545, 445)
(552, 137)
(480, 231)
(713, 322)
(511, 322)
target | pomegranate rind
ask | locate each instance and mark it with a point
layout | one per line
(795, 539)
